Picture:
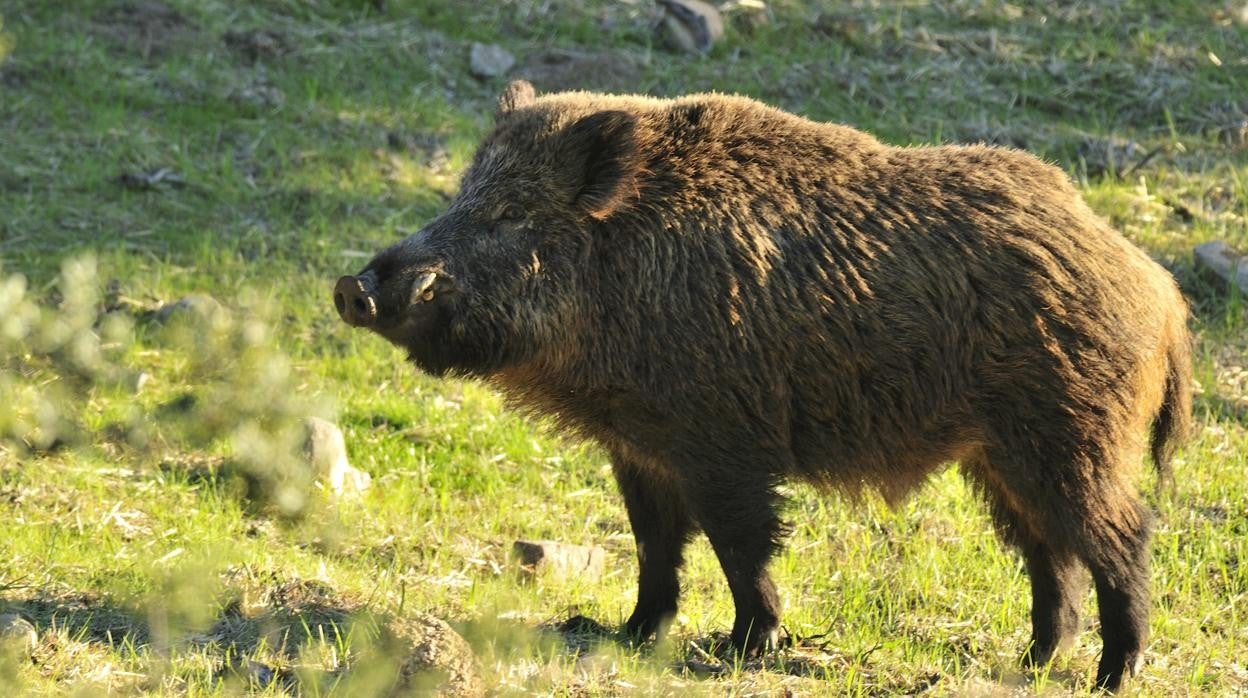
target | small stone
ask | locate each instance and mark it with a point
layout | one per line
(326, 452)
(433, 658)
(16, 629)
(200, 305)
(691, 26)
(563, 559)
(489, 60)
(1217, 258)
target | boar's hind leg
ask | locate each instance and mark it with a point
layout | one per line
(738, 513)
(1117, 553)
(1058, 586)
(661, 526)
(1058, 580)
(1103, 522)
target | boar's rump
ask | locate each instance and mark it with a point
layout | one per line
(725, 296)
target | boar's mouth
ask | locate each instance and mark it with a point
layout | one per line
(411, 309)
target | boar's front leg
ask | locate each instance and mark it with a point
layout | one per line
(662, 527)
(736, 507)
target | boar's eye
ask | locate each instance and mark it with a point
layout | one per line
(511, 213)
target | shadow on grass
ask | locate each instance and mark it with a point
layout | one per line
(708, 658)
(286, 619)
(82, 617)
(298, 635)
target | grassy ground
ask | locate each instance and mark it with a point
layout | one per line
(293, 138)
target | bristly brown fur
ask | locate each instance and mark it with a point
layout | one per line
(726, 296)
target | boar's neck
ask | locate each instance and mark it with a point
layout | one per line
(665, 322)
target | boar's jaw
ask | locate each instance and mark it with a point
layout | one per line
(422, 328)
(416, 311)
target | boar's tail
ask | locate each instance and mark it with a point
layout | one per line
(1173, 423)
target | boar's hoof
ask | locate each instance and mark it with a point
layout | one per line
(1110, 676)
(755, 646)
(645, 624)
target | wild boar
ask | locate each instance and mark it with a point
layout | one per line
(726, 296)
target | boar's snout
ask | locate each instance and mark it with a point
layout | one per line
(355, 297)
(382, 299)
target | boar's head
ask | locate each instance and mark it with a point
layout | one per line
(503, 275)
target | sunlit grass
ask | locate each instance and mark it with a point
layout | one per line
(146, 568)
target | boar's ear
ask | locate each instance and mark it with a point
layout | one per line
(519, 94)
(602, 157)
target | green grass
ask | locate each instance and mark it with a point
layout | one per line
(144, 569)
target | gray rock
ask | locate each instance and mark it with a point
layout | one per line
(489, 60)
(691, 26)
(16, 629)
(1217, 258)
(433, 658)
(326, 452)
(563, 559)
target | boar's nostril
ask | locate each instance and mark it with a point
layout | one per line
(355, 302)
